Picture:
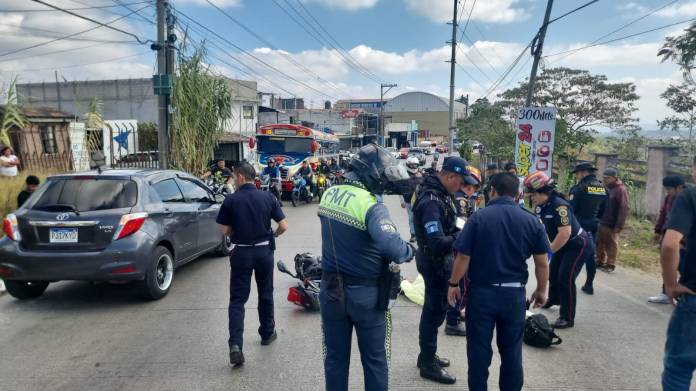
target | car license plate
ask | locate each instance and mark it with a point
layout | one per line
(63, 235)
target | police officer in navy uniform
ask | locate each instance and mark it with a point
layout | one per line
(246, 216)
(360, 246)
(492, 250)
(571, 246)
(434, 216)
(588, 199)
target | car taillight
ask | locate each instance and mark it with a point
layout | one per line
(11, 228)
(130, 224)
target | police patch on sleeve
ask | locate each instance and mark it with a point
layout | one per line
(387, 226)
(563, 214)
(432, 226)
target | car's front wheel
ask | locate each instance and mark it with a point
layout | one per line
(26, 289)
(159, 276)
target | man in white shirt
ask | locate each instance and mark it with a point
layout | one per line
(8, 162)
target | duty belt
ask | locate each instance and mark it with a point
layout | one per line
(350, 280)
(266, 243)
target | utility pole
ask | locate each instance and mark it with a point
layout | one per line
(171, 57)
(163, 115)
(453, 61)
(537, 47)
(382, 92)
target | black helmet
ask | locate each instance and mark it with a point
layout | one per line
(377, 169)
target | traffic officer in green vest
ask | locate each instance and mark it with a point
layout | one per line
(434, 216)
(360, 248)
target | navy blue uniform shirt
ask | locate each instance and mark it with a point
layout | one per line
(434, 217)
(499, 239)
(588, 198)
(557, 213)
(249, 212)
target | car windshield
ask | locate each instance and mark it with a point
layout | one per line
(86, 194)
(416, 152)
(284, 145)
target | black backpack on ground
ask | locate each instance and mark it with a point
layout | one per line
(539, 333)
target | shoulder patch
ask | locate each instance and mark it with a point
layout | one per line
(387, 226)
(432, 227)
(563, 214)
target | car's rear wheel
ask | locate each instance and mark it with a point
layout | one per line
(26, 289)
(225, 247)
(159, 276)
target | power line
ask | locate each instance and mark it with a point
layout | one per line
(324, 42)
(626, 25)
(98, 22)
(60, 35)
(271, 46)
(470, 76)
(254, 57)
(474, 64)
(80, 65)
(52, 52)
(589, 3)
(335, 41)
(621, 38)
(137, 13)
(467, 21)
(96, 7)
(509, 69)
(473, 46)
(61, 38)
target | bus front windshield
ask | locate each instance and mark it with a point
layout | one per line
(284, 145)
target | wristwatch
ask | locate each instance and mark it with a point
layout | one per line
(453, 285)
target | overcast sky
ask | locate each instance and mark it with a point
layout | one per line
(397, 41)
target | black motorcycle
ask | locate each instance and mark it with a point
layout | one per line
(308, 271)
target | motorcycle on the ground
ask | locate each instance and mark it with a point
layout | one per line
(308, 272)
(300, 190)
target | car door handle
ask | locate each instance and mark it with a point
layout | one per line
(168, 212)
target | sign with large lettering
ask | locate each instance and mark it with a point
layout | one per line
(535, 134)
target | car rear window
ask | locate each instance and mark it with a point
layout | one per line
(87, 194)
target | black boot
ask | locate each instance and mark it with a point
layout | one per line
(588, 289)
(236, 356)
(443, 362)
(433, 371)
(561, 323)
(270, 339)
(458, 330)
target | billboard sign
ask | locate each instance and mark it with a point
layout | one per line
(535, 135)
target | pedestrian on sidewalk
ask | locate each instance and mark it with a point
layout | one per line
(570, 244)
(588, 198)
(612, 221)
(435, 215)
(493, 249)
(246, 217)
(360, 244)
(680, 348)
(673, 185)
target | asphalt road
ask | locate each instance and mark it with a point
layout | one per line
(80, 336)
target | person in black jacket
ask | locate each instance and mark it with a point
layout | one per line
(30, 185)
(587, 199)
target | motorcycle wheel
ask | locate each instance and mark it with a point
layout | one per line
(294, 198)
(320, 192)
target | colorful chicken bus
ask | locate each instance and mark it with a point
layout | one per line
(290, 145)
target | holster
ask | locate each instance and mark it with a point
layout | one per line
(272, 243)
(384, 287)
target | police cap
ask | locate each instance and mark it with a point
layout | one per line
(456, 165)
(585, 166)
(674, 181)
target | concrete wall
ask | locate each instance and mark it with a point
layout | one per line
(435, 121)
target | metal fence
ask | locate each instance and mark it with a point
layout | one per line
(125, 145)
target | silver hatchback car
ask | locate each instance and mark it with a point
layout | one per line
(115, 225)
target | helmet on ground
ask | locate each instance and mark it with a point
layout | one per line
(377, 169)
(538, 181)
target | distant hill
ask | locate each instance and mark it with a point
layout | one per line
(656, 134)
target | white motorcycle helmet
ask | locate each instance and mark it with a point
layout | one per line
(412, 164)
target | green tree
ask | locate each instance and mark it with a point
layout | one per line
(147, 136)
(203, 104)
(628, 143)
(682, 50)
(12, 115)
(584, 103)
(682, 100)
(488, 125)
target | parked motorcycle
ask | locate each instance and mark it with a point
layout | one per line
(300, 190)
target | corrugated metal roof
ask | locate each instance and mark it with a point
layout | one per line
(42, 112)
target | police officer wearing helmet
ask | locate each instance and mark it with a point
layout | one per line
(246, 216)
(434, 215)
(588, 198)
(571, 246)
(359, 241)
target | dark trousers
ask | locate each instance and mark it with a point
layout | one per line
(354, 307)
(244, 261)
(680, 348)
(435, 276)
(502, 309)
(590, 226)
(565, 267)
